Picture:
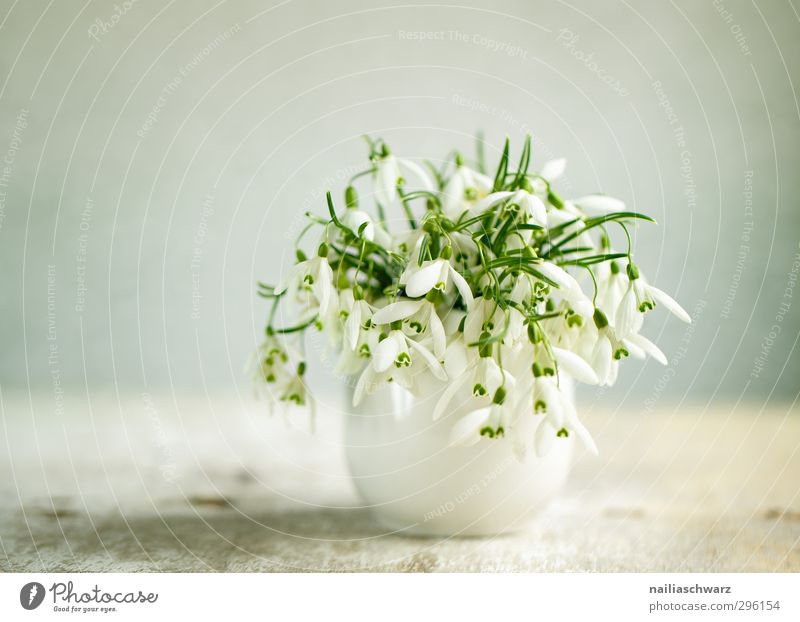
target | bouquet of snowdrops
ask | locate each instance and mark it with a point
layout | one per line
(474, 280)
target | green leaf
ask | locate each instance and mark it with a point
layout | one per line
(502, 169)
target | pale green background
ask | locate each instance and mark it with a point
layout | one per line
(270, 115)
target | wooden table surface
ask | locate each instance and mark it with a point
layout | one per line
(164, 483)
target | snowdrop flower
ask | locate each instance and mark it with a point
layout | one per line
(640, 297)
(466, 288)
(359, 320)
(314, 277)
(531, 206)
(354, 219)
(482, 379)
(611, 285)
(392, 357)
(560, 417)
(388, 176)
(421, 315)
(463, 188)
(435, 274)
(609, 349)
(483, 316)
(492, 422)
(568, 287)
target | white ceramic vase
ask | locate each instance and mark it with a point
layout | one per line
(416, 483)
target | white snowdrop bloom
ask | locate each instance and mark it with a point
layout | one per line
(482, 316)
(560, 417)
(354, 219)
(388, 174)
(568, 287)
(553, 169)
(608, 350)
(463, 188)
(434, 274)
(640, 297)
(393, 357)
(358, 321)
(493, 422)
(352, 361)
(529, 204)
(467, 430)
(420, 315)
(482, 380)
(611, 285)
(314, 278)
(599, 205)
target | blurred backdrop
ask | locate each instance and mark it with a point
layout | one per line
(158, 156)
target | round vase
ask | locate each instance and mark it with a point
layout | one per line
(415, 482)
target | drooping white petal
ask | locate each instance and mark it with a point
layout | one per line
(364, 379)
(386, 177)
(456, 358)
(386, 352)
(599, 205)
(323, 285)
(462, 286)
(670, 304)
(649, 347)
(552, 398)
(448, 394)
(545, 438)
(454, 194)
(430, 360)
(466, 431)
(491, 200)
(354, 218)
(352, 327)
(584, 435)
(437, 332)
(628, 314)
(575, 366)
(553, 169)
(418, 172)
(424, 279)
(558, 275)
(292, 274)
(533, 207)
(601, 358)
(396, 311)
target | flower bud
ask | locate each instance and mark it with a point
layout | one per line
(351, 197)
